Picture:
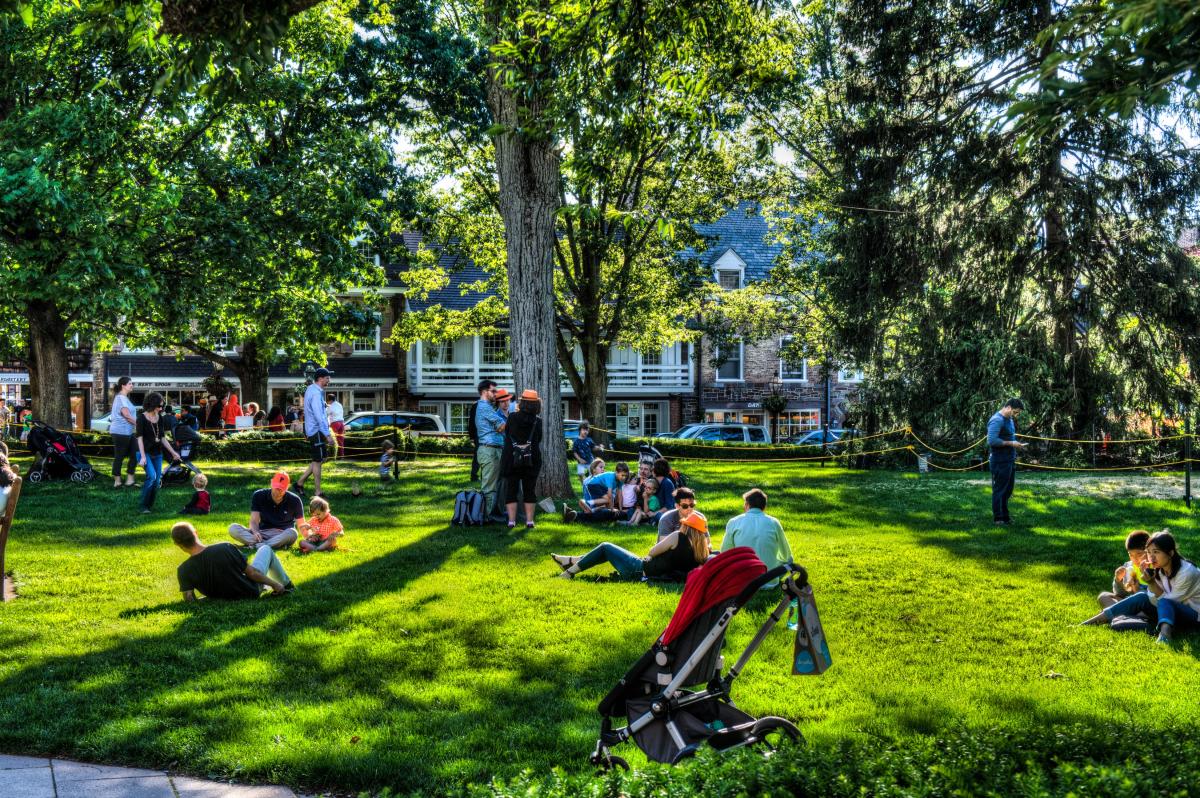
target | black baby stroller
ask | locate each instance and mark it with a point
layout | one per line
(56, 456)
(187, 444)
(670, 723)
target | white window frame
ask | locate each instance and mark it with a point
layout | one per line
(784, 341)
(223, 346)
(729, 261)
(741, 365)
(851, 375)
(354, 350)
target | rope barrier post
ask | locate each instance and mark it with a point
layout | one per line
(1187, 455)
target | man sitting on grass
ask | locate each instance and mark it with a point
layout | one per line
(220, 571)
(273, 516)
(759, 531)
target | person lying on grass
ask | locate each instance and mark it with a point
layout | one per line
(1173, 598)
(670, 559)
(1128, 578)
(273, 516)
(220, 571)
(322, 529)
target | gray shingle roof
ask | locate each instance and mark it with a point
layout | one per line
(462, 271)
(745, 231)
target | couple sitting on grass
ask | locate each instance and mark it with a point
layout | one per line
(1156, 590)
(683, 542)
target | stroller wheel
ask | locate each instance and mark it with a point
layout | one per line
(89, 475)
(687, 753)
(77, 476)
(36, 475)
(770, 732)
(611, 762)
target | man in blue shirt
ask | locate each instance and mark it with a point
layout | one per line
(1003, 445)
(489, 429)
(316, 429)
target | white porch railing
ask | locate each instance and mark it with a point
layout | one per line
(669, 376)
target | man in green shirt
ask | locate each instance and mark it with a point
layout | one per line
(759, 531)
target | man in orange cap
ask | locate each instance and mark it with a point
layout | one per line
(274, 515)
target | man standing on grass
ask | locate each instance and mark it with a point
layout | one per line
(489, 428)
(316, 429)
(759, 531)
(274, 516)
(1003, 445)
(221, 572)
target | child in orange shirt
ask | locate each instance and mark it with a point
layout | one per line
(322, 529)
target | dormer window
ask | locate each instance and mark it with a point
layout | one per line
(729, 271)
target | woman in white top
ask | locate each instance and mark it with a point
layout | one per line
(121, 427)
(7, 478)
(1173, 590)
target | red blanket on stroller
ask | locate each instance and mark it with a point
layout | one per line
(718, 580)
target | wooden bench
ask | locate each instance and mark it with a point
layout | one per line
(10, 509)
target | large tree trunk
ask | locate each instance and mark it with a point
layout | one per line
(528, 170)
(253, 373)
(48, 363)
(594, 398)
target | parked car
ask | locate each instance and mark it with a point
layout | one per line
(730, 433)
(417, 423)
(101, 423)
(818, 437)
(571, 428)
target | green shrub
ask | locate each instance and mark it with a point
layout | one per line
(1064, 761)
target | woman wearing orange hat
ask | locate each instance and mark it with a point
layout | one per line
(669, 560)
(521, 455)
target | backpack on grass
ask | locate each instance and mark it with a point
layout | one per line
(468, 508)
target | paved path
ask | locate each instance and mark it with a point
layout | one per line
(33, 777)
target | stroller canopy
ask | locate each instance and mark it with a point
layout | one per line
(718, 580)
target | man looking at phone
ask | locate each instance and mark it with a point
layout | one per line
(1003, 445)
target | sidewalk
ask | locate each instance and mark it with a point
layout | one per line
(33, 777)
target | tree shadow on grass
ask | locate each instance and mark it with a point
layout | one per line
(171, 699)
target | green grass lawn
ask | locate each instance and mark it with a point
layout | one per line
(421, 656)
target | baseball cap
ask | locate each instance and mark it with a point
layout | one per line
(322, 372)
(696, 521)
(281, 480)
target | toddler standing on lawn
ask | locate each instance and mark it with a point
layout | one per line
(322, 529)
(387, 461)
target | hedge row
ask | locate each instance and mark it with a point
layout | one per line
(263, 446)
(1116, 760)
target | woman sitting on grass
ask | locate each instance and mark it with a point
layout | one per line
(1174, 591)
(322, 529)
(669, 560)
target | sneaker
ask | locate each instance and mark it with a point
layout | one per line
(145, 511)
(529, 525)
(569, 515)
(289, 587)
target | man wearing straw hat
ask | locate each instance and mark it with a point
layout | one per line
(1003, 445)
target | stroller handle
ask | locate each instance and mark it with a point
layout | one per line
(778, 572)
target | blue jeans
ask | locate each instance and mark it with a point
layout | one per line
(1004, 476)
(150, 487)
(1168, 611)
(627, 564)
